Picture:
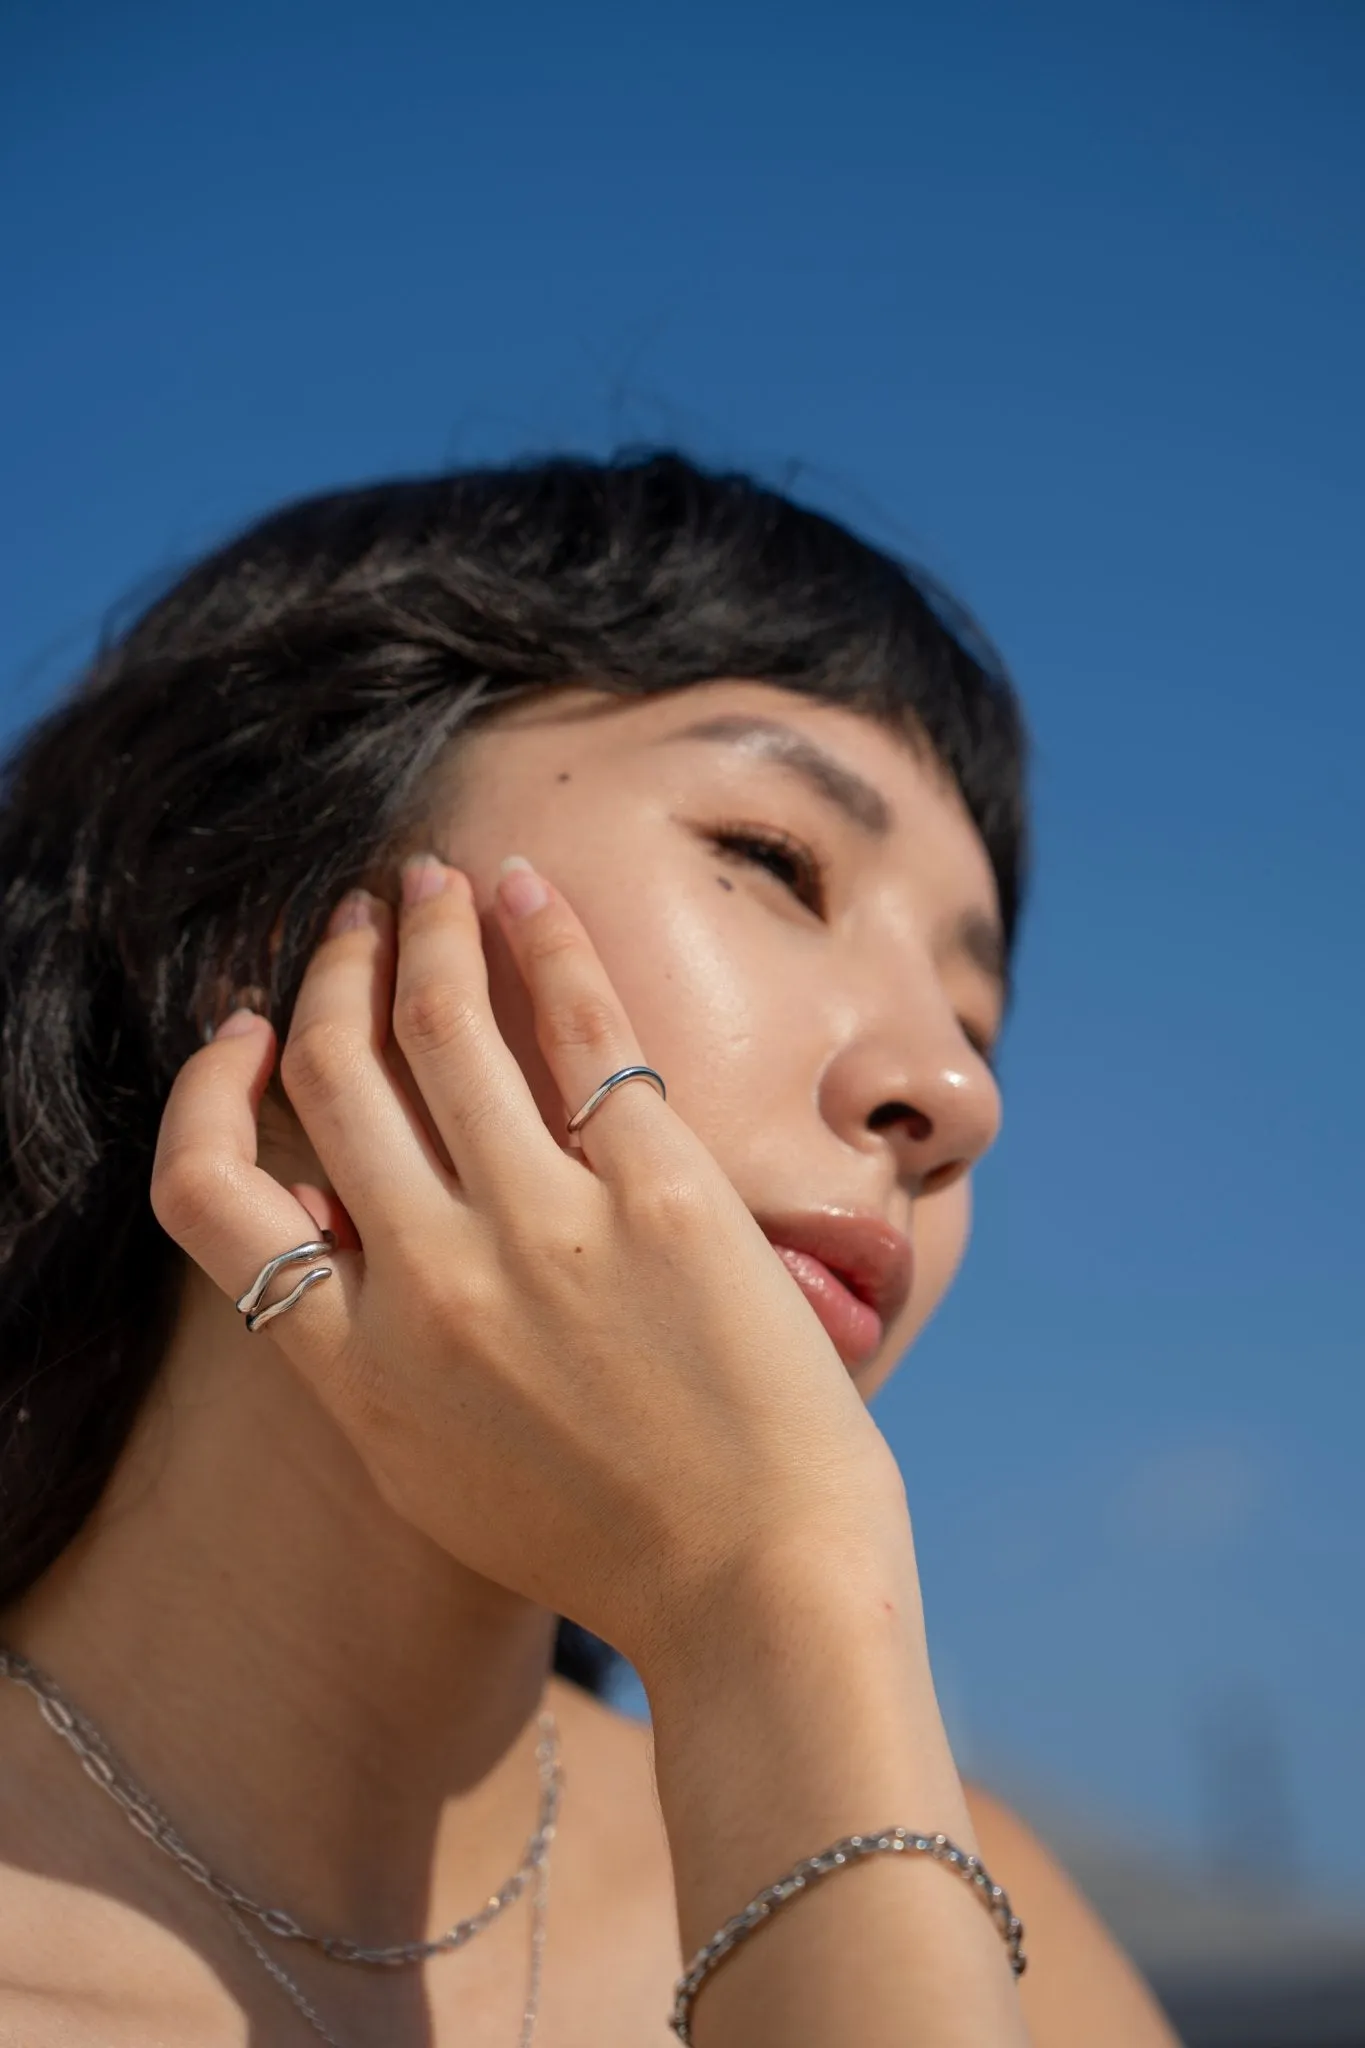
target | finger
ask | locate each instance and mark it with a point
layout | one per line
(328, 1212)
(581, 1024)
(444, 1023)
(368, 1134)
(220, 1206)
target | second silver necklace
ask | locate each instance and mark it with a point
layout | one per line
(310, 2013)
(101, 1766)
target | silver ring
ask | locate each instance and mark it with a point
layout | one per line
(614, 1081)
(248, 1303)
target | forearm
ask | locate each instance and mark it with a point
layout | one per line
(801, 1711)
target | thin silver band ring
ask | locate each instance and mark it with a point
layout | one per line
(248, 1304)
(614, 1081)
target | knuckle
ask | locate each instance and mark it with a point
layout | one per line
(475, 1298)
(189, 1190)
(430, 1015)
(553, 938)
(477, 1114)
(318, 1060)
(667, 1204)
(580, 1017)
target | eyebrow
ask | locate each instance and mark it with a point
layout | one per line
(975, 935)
(861, 803)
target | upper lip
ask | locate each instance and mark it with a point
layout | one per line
(874, 1260)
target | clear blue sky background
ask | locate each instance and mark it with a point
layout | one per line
(1065, 299)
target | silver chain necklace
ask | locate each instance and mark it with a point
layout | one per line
(315, 2020)
(100, 1765)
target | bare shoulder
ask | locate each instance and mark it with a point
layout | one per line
(1079, 1987)
(61, 1948)
(83, 1966)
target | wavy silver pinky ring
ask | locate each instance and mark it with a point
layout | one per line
(249, 1303)
(580, 1117)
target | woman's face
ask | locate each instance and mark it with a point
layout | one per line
(801, 922)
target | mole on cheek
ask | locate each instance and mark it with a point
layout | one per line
(725, 881)
(563, 775)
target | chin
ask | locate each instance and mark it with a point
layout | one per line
(869, 1379)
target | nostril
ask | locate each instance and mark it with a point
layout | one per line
(916, 1122)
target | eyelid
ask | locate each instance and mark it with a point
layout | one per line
(812, 868)
(762, 829)
(986, 1049)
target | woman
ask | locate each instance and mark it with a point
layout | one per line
(483, 791)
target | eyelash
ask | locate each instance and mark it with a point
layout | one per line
(793, 864)
(979, 1044)
(790, 860)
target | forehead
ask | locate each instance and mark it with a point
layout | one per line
(888, 785)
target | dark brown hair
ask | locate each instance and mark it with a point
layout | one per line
(178, 827)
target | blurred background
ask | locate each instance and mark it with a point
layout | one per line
(1068, 302)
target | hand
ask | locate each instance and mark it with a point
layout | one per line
(587, 1377)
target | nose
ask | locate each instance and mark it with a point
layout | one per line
(921, 1091)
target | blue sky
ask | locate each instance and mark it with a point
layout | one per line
(1066, 301)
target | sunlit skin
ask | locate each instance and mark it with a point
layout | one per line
(782, 1023)
(300, 1674)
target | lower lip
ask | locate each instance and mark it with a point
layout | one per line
(854, 1329)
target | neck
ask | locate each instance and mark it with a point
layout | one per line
(291, 1672)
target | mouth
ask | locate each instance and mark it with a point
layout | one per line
(855, 1271)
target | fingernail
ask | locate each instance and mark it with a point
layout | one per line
(423, 876)
(355, 911)
(237, 1024)
(520, 889)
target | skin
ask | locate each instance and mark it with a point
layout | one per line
(718, 962)
(334, 1710)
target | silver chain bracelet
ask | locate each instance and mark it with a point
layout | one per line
(774, 1896)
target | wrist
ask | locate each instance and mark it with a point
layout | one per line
(798, 1708)
(818, 1590)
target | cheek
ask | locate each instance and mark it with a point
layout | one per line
(942, 1226)
(671, 956)
(702, 1005)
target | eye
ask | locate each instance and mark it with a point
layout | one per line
(793, 863)
(980, 1042)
